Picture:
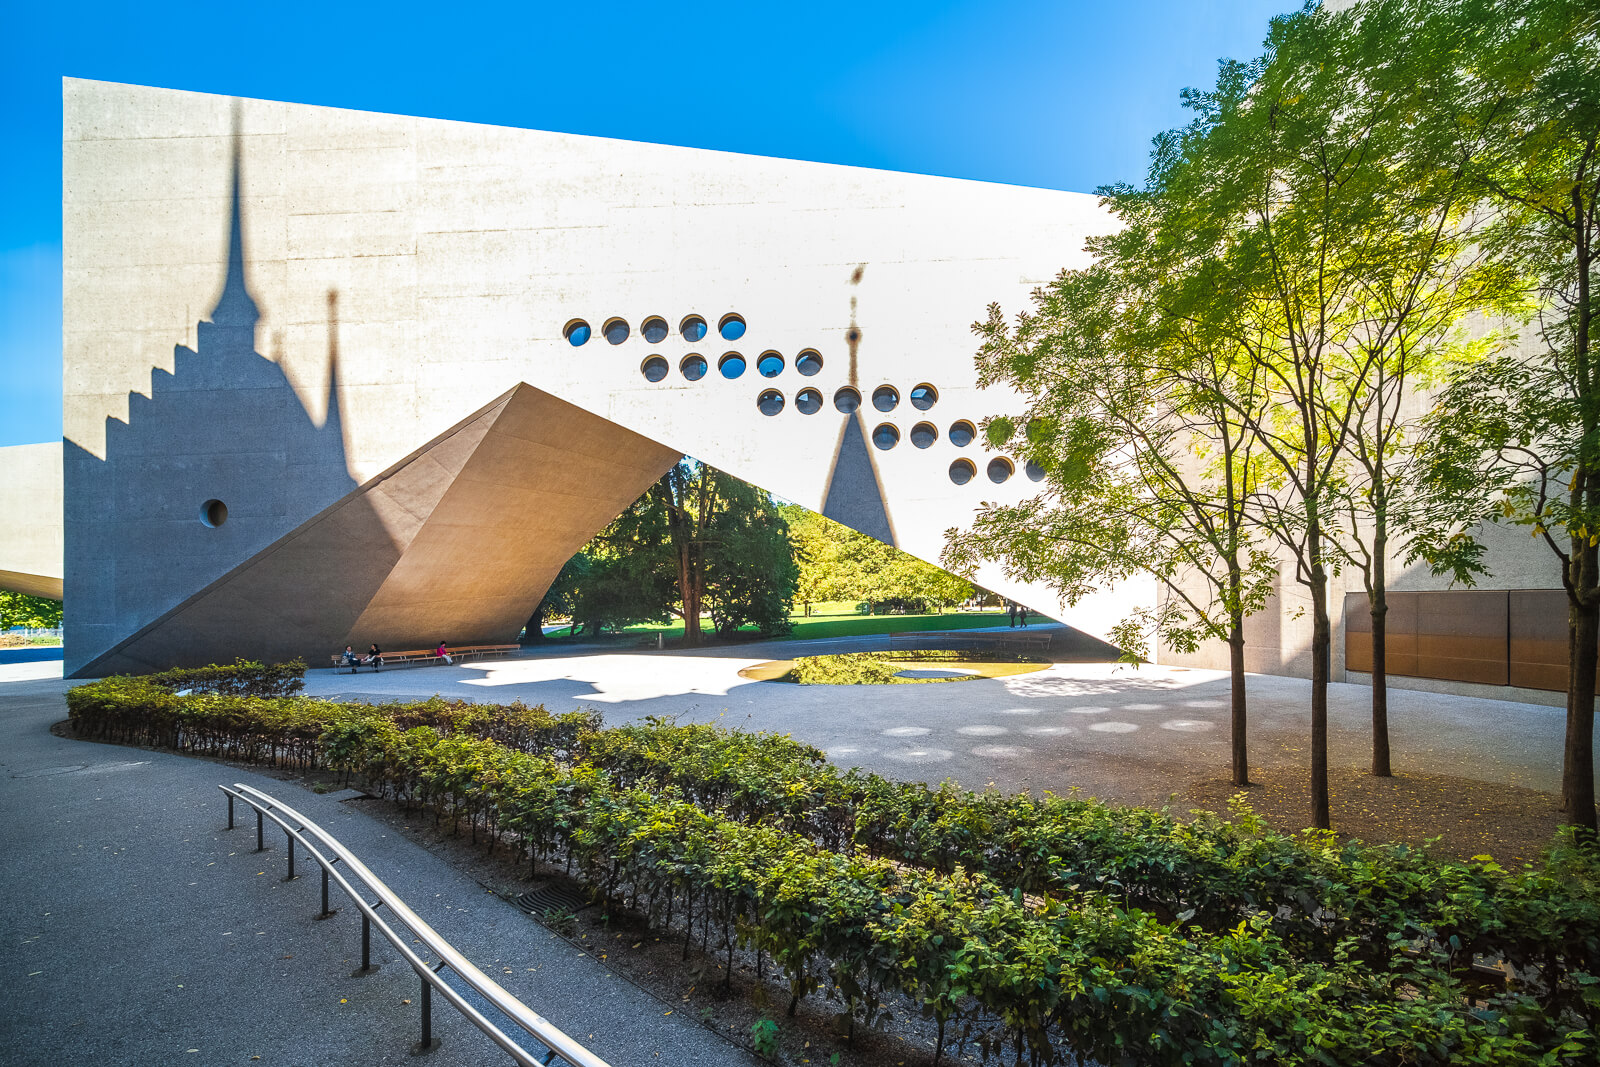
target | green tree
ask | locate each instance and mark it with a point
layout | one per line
(838, 563)
(561, 599)
(20, 609)
(1517, 437)
(751, 571)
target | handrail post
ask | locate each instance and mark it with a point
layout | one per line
(326, 912)
(366, 948)
(428, 1042)
(289, 838)
(260, 845)
(230, 810)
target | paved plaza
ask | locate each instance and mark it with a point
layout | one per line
(140, 930)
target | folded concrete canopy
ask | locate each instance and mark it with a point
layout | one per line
(337, 378)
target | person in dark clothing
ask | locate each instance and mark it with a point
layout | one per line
(375, 657)
(1011, 610)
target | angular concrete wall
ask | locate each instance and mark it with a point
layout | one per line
(268, 304)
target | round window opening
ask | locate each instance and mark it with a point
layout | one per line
(770, 364)
(213, 513)
(693, 367)
(808, 401)
(885, 437)
(923, 435)
(654, 329)
(731, 365)
(692, 328)
(654, 369)
(962, 471)
(731, 327)
(576, 333)
(884, 398)
(1034, 472)
(924, 397)
(808, 363)
(769, 402)
(962, 433)
(615, 331)
(847, 400)
(1000, 469)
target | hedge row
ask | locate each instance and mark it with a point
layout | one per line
(1329, 900)
(1073, 971)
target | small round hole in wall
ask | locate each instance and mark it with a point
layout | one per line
(962, 433)
(1000, 469)
(654, 369)
(885, 398)
(808, 362)
(1034, 472)
(654, 329)
(213, 513)
(847, 399)
(769, 402)
(576, 332)
(770, 365)
(808, 401)
(962, 471)
(615, 331)
(692, 328)
(924, 397)
(923, 435)
(731, 327)
(885, 437)
(731, 365)
(693, 366)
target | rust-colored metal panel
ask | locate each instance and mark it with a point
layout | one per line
(1400, 633)
(1461, 636)
(1539, 639)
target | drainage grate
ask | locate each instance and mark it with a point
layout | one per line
(548, 898)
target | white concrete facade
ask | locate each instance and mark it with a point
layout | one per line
(402, 273)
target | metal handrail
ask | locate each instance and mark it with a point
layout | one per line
(558, 1043)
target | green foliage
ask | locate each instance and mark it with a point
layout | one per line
(838, 563)
(1017, 923)
(33, 612)
(240, 678)
(764, 1038)
(883, 668)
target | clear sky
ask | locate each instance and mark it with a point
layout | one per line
(1064, 94)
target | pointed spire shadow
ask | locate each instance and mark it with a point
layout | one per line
(855, 497)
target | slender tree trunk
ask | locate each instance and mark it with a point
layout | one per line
(1241, 757)
(1321, 644)
(1380, 683)
(535, 628)
(1583, 627)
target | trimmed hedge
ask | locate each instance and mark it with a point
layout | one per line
(740, 840)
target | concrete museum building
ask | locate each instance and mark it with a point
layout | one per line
(334, 377)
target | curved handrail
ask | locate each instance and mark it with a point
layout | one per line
(508, 1005)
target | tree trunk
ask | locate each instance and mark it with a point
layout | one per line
(1241, 758)
(1583, 628)
(1380, 683)
(535, 627)
(1321, 644)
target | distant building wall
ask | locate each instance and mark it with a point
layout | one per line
(30, 520)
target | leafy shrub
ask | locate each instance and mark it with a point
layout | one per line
(241, 678)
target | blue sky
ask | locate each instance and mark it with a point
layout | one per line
(1063, 94)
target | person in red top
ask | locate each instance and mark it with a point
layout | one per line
(443, 653)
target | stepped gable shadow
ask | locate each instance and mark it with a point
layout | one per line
(221, 459)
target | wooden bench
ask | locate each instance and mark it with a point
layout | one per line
(422, 657)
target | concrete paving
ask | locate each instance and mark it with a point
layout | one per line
(139, 931)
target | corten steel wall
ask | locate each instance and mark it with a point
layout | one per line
(1512, 637)
(271, 304)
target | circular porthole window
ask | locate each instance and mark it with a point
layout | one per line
(576, 333)
(692, 328)
(654, 369)
(731, 327)
(731, 365)
(808, 363)
(615, 331)
(1034, 472)
(213, 513)
(885, 437)
(808, 401)
(884, 398)
(769, 402)
(693, 367)
(924, 397)
(962, 471)
(847, 400)
(1000, 469)
(962, 433)
(770, 365)
(923, 435)
(654, 329)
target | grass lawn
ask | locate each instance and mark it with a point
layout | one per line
(846, 623)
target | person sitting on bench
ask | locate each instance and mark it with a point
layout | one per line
(375, 657)
(350, 659)
(443, 653)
